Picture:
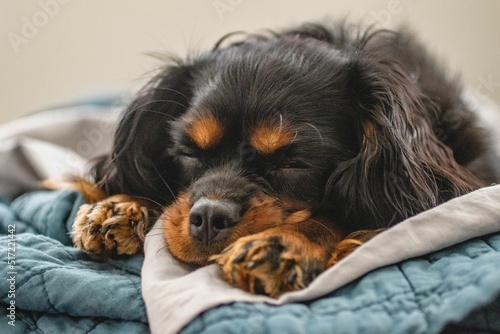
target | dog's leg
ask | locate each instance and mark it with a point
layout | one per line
(113, 226)
(273, 262)
(351, 243)
(283, 259)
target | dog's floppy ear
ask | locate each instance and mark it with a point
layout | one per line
(402, 168)
(139, 164)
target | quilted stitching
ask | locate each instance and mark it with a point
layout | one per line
(60, 289)
(455, 285)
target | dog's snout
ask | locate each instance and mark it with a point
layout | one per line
(211, 220)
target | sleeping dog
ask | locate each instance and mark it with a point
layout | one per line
(276, 155)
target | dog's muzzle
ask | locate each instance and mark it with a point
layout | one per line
(220, 199)
(211, 220)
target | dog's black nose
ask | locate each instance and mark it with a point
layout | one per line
(211, 220)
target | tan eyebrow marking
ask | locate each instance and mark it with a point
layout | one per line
(206, 131)
(266, 139)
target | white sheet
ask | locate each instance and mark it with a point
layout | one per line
(52, 144)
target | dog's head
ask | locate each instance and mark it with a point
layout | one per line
(275, 130)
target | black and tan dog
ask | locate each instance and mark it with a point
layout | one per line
(277, 155)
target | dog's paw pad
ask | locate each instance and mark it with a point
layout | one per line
(110, 227)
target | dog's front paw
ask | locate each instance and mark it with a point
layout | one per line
(271, 264)
(114, 226)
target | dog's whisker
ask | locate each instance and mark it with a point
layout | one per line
(154, 234)
(157, 101)
(155, 112)
(151, 200)
(324, 226)
(317, 131)
(294, 137)
(165, 182)
(181, 185)
(172, 90)
(161, 249)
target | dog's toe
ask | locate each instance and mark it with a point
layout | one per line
(270, 265)
(110, 227)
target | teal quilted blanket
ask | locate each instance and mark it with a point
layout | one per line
(457, 289)
(47, 286)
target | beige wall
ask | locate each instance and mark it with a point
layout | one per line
(54, 50)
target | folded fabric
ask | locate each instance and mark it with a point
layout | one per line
(54, 287)
(398, 282)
